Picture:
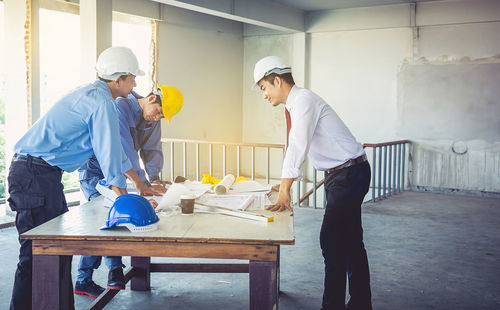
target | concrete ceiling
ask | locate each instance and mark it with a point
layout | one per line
(281, 15)
(315, 5)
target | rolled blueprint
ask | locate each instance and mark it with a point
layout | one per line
(223, 186)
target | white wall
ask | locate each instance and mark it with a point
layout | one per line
(202, 56)
(355, 58)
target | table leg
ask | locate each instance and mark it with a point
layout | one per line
(141, 281)
(263, 285)
(52, 285)
(278, 267)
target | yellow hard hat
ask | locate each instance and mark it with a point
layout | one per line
(171, 101)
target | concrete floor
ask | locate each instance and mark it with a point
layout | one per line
(426, 251)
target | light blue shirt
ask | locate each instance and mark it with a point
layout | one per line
(140, 138)
(79, 125)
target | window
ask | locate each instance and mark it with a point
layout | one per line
(59, 64)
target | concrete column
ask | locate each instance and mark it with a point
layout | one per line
(299, 58)
(16, 107)
(95, 33)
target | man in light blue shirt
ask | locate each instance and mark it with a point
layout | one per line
(80, 125)
(140, 132)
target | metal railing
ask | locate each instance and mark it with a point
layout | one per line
(391, 176)
(223, 145)
(387, 165)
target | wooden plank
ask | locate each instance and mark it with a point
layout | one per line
(103, 299)
(263, 285)
(209, 268)
(155, 249)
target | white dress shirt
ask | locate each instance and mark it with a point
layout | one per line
(318, 132)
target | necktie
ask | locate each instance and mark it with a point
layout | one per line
(288, 126)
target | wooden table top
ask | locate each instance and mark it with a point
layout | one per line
(83, 223)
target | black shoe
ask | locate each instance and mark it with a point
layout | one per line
(88, 288)
(116, 279)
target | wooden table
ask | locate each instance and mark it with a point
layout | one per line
(196, 236)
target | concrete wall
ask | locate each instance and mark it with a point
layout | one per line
(357, 60)
(202, 55)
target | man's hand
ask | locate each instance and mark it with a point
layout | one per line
(161, 182)
(145, 190)
(283, 202)
(153, 203)
(158, 188)
(118, 190)
(276, 188)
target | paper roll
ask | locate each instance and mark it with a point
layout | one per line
(223, 186)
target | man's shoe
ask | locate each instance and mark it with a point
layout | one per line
(116, 279)
(88, 288)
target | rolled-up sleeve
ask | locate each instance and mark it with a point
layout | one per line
(304, 118)
(105, 138)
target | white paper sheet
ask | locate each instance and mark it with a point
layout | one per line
(241, 201)
(249, 186)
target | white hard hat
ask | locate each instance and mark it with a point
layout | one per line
(116, 61)
(268, 65)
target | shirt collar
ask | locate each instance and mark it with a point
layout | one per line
(103, 86)
(291, 98)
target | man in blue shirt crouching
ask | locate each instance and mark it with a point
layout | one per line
(140, 132)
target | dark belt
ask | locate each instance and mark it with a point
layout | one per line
(34, 160)
(349, 163)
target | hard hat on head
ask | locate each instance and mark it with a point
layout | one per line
(172, 100)
(134, 212)
(116, 61)
(268, 65)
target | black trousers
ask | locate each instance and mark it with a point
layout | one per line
(341, 239)
(36, 194)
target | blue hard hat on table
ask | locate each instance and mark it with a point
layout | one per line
(133, 211)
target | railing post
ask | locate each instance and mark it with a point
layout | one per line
(184, 163)
(394, 170)
(197, 161)
(298, 193)
(253, 162)
(172, 161)
(385, 170)
(379, 173)
(399, 168)
(403, 168)
(237, 161)
(389, 172)
(268, 173)
(210, 154)
(374, 161)
(223, 160)
(314, 188)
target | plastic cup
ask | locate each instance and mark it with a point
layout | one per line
(187, 204)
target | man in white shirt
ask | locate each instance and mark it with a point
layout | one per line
(315, 130)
